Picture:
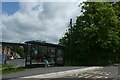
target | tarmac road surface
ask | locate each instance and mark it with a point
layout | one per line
(105, 73)
(41, 70)
(109, 72)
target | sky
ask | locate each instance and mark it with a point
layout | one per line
(10, 7)
(46, 21)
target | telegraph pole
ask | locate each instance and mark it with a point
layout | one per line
(70, 23)
(71, 40)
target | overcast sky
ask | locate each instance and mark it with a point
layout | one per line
(46, 21)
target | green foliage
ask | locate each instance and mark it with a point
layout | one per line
(95, 38)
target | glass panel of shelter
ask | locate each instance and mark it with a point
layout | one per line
(28, 54)
(42, 53)
(51, 55)
(59, 56)
(37, 53)
(34, 54)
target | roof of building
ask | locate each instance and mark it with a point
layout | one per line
(36, 42)
(11, 43)
(44, 43)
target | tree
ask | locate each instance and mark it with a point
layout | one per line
(95, 38)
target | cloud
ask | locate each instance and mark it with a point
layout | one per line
(45, 21)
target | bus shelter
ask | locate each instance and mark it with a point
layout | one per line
(37, 50)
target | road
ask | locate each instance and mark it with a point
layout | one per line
(104, 73)
(40, 70)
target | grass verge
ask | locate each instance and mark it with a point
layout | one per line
(8, 69)
(12, 70)
(5, 65)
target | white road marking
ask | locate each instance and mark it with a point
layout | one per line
(95, 74)
(83, 75)
(89, 76)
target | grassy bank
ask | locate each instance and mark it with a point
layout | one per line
(8, 69)
(12, 70)
(5, 66)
